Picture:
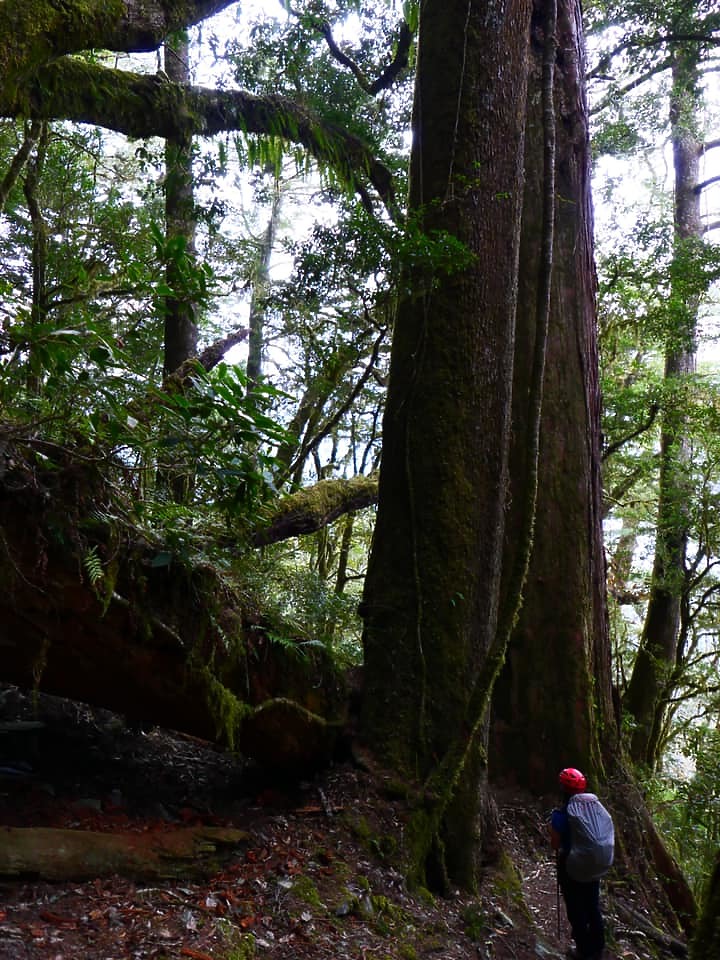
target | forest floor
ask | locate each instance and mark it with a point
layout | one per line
(313, 879)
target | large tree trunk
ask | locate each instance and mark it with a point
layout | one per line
(554, 694)
(654, 674)
(553, 704)
(432, 588)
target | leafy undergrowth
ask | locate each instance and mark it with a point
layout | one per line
(316, 878)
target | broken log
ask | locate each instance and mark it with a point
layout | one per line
(55, 855)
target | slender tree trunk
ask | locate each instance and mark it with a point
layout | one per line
(256, 338)
(653, 677)
(302, 429)
(39, 310)
(181, 333)
(432, 588)
(181, 308)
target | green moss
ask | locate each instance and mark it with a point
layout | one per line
(107, 586)
(360, 827)
(475, 921)
(384, 846)
(388, 915)
(244, 951)
(239, 945)
(227, 710)
(507, 884)
(408, 951)
(423, 846)
(305, 890)
(425, 896)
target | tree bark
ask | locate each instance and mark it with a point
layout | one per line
(553, 705)
(432, 589)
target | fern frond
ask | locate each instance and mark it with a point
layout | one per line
(93, 566)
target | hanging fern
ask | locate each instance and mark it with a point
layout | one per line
(93, 566)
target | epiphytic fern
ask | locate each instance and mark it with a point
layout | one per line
(93, 566)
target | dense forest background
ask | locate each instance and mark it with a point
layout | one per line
(251, 254)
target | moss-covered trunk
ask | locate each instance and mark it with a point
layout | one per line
(553, 699)
(432, 589)
(706, 943)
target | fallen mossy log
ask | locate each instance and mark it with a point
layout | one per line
(55, 855)
(92, 611)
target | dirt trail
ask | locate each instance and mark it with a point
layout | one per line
(315, 880)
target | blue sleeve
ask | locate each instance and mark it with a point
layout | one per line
(561, 824)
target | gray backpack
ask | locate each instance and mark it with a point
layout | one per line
(593, 838)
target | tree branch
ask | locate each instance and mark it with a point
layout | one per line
(315, 507)
(32, 133)
(144, 106)
(213, 354)
(386, 78)
(706, 183)
(643, 428)
(642, 43)
(340, 412)
(632, 85)
(41, 33)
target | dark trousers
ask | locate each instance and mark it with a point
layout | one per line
(582, 903)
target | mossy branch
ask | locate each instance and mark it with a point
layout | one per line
(315, 507)
(42, 32)
(146, 106)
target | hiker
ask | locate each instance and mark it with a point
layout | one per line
(582, 835)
